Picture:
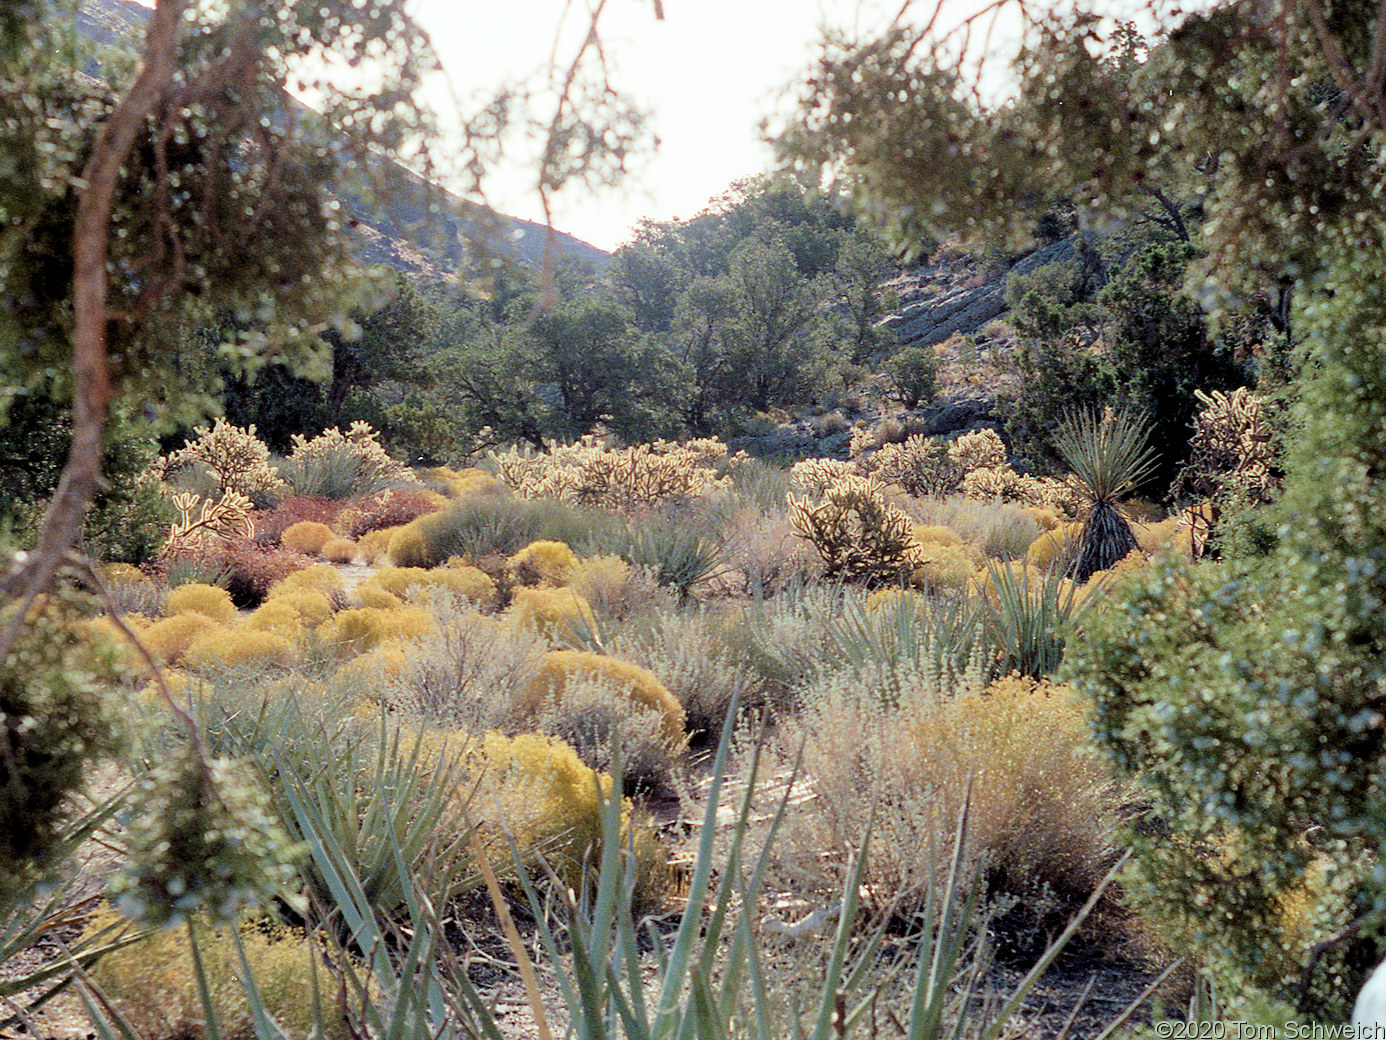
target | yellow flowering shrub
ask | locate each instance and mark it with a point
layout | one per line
(1052, 546)
(463, 580)
(373, 545)
(551, 612)
(239, 648)
(321, 576)
(168, 640)
(279, 616)
(307, 536)
(153, 984)
(543, 563)
(339, 550)
(942, 566)
(558, 667)
(459, 483)
(933, 534)
(408, 545)
(351, 632)
(369, 594)
(210, 600)
(312, 607)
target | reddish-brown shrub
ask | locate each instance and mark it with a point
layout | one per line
(293, 509)
(388, 508)
(254, 568)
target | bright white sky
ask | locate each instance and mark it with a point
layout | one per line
(707, 74)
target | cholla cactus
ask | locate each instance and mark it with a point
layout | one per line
(858, 533)
(341, 465)
(235, 457)
(1232, 449)
(815, 476)
(980, 450)
(920, 465)
(203, 523)
(591, 472)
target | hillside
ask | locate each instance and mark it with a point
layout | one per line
(405, 234)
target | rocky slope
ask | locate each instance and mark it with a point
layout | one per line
(422, 228)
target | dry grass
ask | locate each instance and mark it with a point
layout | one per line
(1000, 530)
(1042, 806)
(152, 982)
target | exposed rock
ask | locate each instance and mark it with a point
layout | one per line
(939, 300)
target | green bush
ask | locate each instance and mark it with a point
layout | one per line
(57, 720)
(913, 376)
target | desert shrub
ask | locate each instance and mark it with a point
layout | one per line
(1054, 547)
(376, 669)
(57, 719)
(237, 460)
(343, 465)
(555, 613)
(153, 985)
(779, 641)
(689, 654)
(501, 526)
(1000, 530)
(375, 544)
(543, 563)
(131, 590)
(354, 631)
(942, 567)
(306, 536)
(766, 550)
(678, 551)
(278, 616)
(369, 594)
(857, 532)
(463, 580)
(457, 483)
(240, 648)
(210, 600)
(1249, 750)
(407, 546)
(339, 550)
(270, 524)
(1170, 535)
(392, 507)
(321, 577)
(1042, 808)
(548, 799)
(558, 668)
(470, 672)
(638, 477)
(934, 534)
(252, 570)
(168, 640)
(613, 588)
(311, 605)
(598, 719)
(1047, 518)
(912, 375)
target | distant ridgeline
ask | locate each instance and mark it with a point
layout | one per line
(419, 230)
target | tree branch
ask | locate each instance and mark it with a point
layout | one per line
(91, 393)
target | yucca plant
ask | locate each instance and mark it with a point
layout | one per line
(1109, 455)
(1029, 621)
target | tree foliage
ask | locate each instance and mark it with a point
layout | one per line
(1247, 697)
